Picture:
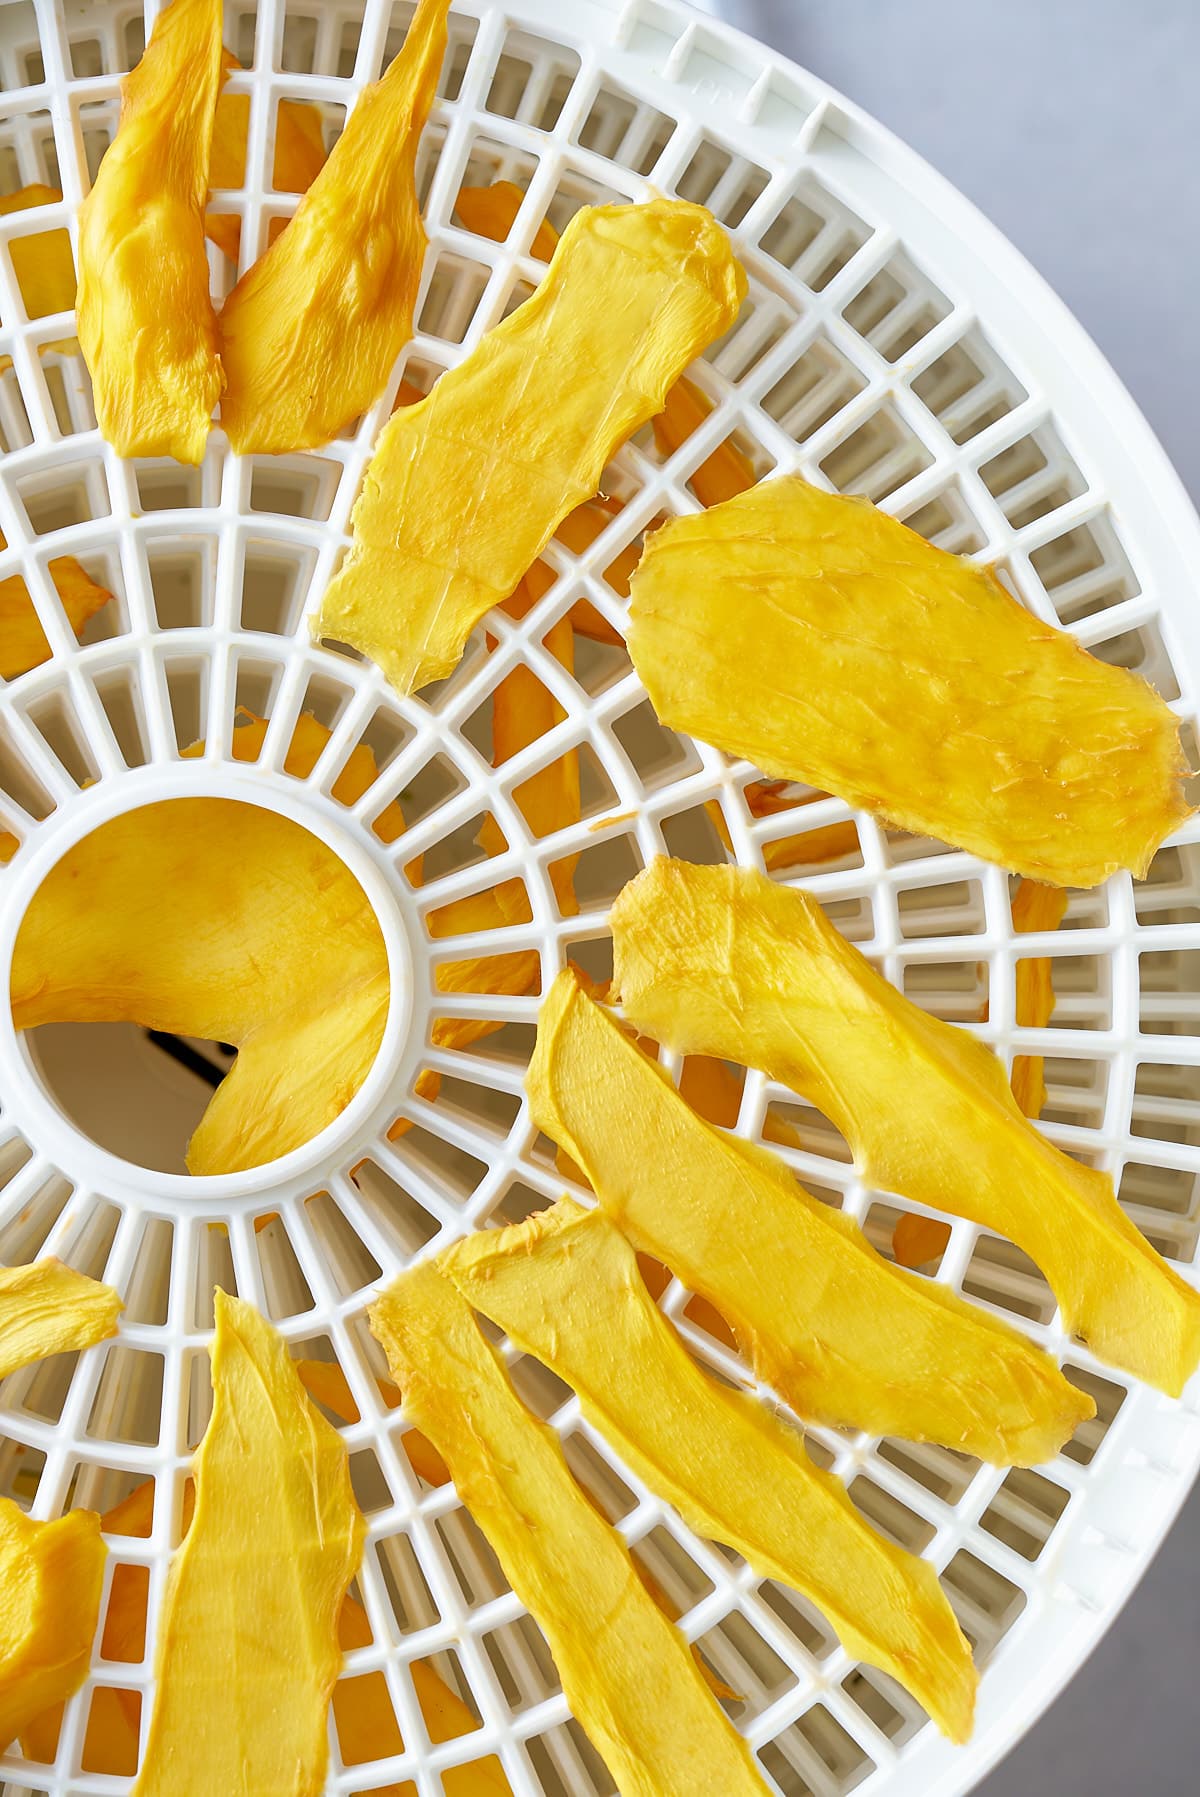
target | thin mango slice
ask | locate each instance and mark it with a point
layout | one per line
(257, 1587)
(840, 1334)
(626, 1671)
(144, 313)
(268, 942)
(310, 333)
(51, 1575)
(513, 446)
(48, 1308)
(831, 645)
(733, 1471)
(722, 960)
(299, 156)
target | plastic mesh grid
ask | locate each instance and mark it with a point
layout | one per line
(850, 362)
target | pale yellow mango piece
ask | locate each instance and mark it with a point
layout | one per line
(722, 960)
(829, 644)
(299, 156)
(310, 333)
(48, 1308)
(466, 488)
(144, 312)
(733, 1471)
(843, 1336)
(248, 1649)
(627, 1673)
(50, 1579)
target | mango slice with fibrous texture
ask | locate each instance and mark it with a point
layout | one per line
(632, 295)
(626, 1671)
(48, 1308)
(23, 643)
(830, 645)
(50, 1580)
(310, 333)
(840, 1334)
(248, 1649)
(722, 960)
(735, 1473)
(299, 157)
(916, 1240)
(144, 312)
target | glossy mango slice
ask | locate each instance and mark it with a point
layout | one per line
(50, 1579)
(845, 1338)
(724, 961)
(257, 1587)
(626, 1671)
(144, 313)
(47, 1308)
(310, 333)
(829, 644)
(733, 1471)
(514, 446)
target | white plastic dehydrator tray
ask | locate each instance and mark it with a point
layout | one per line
(893, 345)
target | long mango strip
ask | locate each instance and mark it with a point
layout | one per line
(735, 1473)
(830, 645)
(844, 1337)
(51, 1575)
(626, 1671)
(299, 156)
(916, 1240)
(47, 1308)
(248, 1649)
(144, 313)
(725, 961)
(310, 333)
(466, 488)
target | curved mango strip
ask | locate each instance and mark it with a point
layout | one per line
(733, 1471)
(144, 312)
(725, 961)
(518, 447)
(51, 1575)
(256, 1586)
(626, 1671)
(917, 1240)
(844, 1337)
(310, 333)
(918, 690)
(48, 1308)
(299, 156)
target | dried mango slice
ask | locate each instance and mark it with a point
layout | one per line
(299, 155)
(23, 642)
(843, 1336)
(311, 331)
(722, 960)
(492, 211)
(50, 1579)
(144, 313)
(626, 1671)
(48, 1308)
(326, 1382)
(305, 1002)
(257, 1587)
(516, 446)
(768, 798)
(831, 645)
(42, 261)
(733, 1471)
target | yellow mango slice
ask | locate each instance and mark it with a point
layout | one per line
(299, 155)
(48, 1308)
(722, 960)
(144, 313)
(626, 1671)
(310, 333)
(733, 1471)
(248, 1649)
(268, 942)
(50, 1579)
(843, 1336)
(23, 642)
(42, 261)
(515, 445)
(829, 644)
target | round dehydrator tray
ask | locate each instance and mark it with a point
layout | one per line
(891, 345)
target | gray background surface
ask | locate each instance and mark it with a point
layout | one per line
(1073, 124)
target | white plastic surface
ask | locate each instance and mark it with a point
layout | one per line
(891, 345)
